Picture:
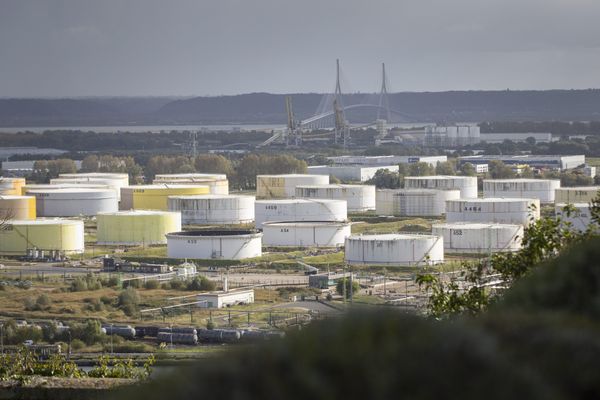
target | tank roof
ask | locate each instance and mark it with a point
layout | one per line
(524, 180)
(72, 190)
(210, 196)
(334, 185)
(298, 200)
(138, 212)
(493, 200)
(47, 221)
(579, 188)
(14, 197)
(474, 225)
(289, 175)
(215, 232)
(390, 236)
(165, 186)
(576, 205)
(305, 223)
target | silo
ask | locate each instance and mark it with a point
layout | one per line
(466, 184)
(11, 186)
(477, 238)
(137, 227)
(72, 202)
(359, 197)
(155, 197)
(394, 249)
(61, 235)
(493, 210)
(213, 209)
(17, 207)
(284, 210)
(305, 234)
(578, 215)
(542, 189)
(580, 194)
(217, 183)
(284, 186)
(215, 244)
(413, 202)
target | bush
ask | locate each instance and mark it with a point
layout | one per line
(43, 302)
(106, 300)
(151, 285)
(89, 332)
(89, 282)
(340, 287)
(201, 283)
(177, 284)
(128, 301)
(113, 281)
(77, 344)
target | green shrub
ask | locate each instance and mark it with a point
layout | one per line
(77, 344)
(153, 284)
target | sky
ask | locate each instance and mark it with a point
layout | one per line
(71, 48)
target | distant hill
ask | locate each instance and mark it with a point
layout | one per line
(265, 108)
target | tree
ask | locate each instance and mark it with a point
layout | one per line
(128, 301)
(468, 169)
(213, 163)
(498, 170)
(421, 169)
(349, 288)
(445, 168)
(527, 172)
(386, 179)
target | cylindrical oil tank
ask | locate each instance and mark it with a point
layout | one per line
(306, 234)
(477, 238)
(115, 183)
(413, 202)
(47, 186)
(282, 186)
(215, 244)
(358, 197)
(72, 202)
(580, 194)
(466, 184)
(217, 183)
(542, 189)
(493, 210)
(122, 177)
(155, 197)
(11, 186)
(214, 209)
(299, 210)
(136, 227)
(62, 235)
(17, 207)
(577, 215)
(394, 249)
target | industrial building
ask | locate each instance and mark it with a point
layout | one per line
(284, 186)
(386, 160)
(534, 161)
(466, 184)
(215, 244)
(217, 183)
(59, 236)
(136, 227)
(413, 202)
(579, 216)
(155, 197)
(350, 173)
(299, 210)
(493, 210)
(73, 202)
(358, 197)
(542, 189)
(579, 194)
(305, 234)
(214, 209)
(451, 136)
(467, 237)
(17, 207)
(225, 298)
(394, 250)
(539, 137)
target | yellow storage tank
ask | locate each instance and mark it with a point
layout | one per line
(11, 186)
(154, 197)
(61, 235)
(137, 227)
(218, 183)
(17, 207)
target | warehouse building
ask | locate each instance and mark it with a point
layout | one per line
(350, 173)
(539, 137)
(386, 160)
(534, 161)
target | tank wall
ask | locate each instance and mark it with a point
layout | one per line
(19, 208)
(466, 184)
(207, 247)
(55, 204)
(273, 186)
(232, 210)
(318, 235)
(11, 186)
(575, 195)
(266, 211)
(542, 189)
(402, 202)
(580, 218)
(145, 198)
(136, 229)
(401, 252)
(358, 198)
(64, 237)
(469, 238)
(502, 212)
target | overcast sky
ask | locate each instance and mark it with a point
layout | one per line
(55, 48)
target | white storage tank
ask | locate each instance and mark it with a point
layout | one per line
(137, 227)
(579, 216)
(217, 183)
(475, 238)
(542, 189)
(394, 249)
(115, 183)
(305, 234)
(215, 244)
(358, 197)
(284, 186)
(285, 210)
(580, 194)
(466, 184)
(73, 202)
(214, 209)
(413, 202)
(493, 210)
